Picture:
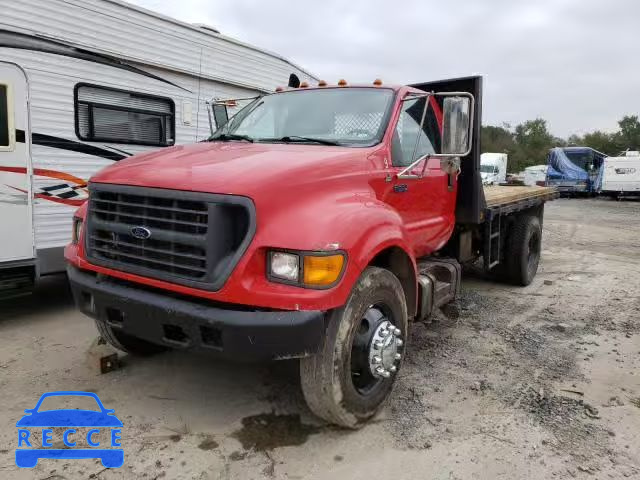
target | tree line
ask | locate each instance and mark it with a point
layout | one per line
(528, 143)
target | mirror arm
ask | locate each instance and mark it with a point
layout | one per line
(209, 107)
(403, 172)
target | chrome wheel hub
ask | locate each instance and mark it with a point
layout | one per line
(384, 350)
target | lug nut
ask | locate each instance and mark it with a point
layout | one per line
(397, 356)
(399, 342)
(393, 369)
(382, 372)
(397, 332)
(376, 359)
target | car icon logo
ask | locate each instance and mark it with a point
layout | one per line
(141, 233)
(79, 431)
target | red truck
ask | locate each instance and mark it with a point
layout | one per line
(317, 223)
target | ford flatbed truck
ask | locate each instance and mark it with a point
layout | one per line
(317, 223)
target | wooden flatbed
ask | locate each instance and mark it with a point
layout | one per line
(499, 195)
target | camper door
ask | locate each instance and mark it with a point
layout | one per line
(16, 216)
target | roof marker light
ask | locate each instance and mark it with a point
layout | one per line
(342, 82)
(279, 89)
(322, 83)
(377, 82)
(304, 85)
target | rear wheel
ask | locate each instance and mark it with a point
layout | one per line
(347, 382)
(523, 250)
(127, 343)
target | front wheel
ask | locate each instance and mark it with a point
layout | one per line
(347, 382)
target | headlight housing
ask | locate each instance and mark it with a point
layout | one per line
(306, 269)
(285, 266)
(76, 231)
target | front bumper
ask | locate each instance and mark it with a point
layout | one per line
(179, 322)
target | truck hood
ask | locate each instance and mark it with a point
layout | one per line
(235, 167)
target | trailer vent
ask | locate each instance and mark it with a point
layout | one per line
(182, 237)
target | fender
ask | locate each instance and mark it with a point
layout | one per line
(361, 225)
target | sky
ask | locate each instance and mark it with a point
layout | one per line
(575, 63)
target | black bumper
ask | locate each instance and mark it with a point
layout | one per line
(181, 323)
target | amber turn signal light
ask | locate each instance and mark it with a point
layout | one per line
(322, 270)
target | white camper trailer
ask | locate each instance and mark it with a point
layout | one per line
(493, 168)
(85, 83)
(535, 175)
(622, 175)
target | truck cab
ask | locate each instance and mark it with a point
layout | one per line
(493, 168)
(316, 223)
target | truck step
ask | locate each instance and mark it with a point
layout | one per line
(439, 282)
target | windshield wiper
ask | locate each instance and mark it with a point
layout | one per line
(231, 136)
(299, 139)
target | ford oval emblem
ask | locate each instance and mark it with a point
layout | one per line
(141, 233)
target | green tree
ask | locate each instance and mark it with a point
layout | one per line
(629, 134)
(601, 141)
(533, 141)
(497, 139)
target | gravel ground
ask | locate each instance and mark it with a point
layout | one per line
(526, 383)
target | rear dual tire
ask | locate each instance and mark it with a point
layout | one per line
(337, 382)
(523, 249)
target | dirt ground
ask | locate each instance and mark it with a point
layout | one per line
(510, 383)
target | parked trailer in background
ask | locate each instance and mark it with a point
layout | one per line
(622, 175)
(493, 168)
(84, 84)
(575, 170)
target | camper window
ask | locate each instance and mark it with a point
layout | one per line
(5, 118)
(119, 116)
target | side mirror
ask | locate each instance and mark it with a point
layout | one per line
(456, 125)
(220, 114)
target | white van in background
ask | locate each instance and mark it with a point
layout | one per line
(535, 174)
(493, 168)
(622, 175)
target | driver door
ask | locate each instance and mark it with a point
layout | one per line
(424, 203)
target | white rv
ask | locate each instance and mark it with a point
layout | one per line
(535, 175)
(85, 83)
(622, 175)
(493, 168)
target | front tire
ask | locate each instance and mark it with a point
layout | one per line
(348, 380)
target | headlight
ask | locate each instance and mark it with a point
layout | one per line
(285, 266)
(77, 230)
(306, 269)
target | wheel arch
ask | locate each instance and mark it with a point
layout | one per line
(395, 259)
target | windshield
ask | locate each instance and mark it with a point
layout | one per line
(488, 168)
(581, 159)
(341, 116)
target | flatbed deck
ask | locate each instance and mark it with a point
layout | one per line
(499, 195)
